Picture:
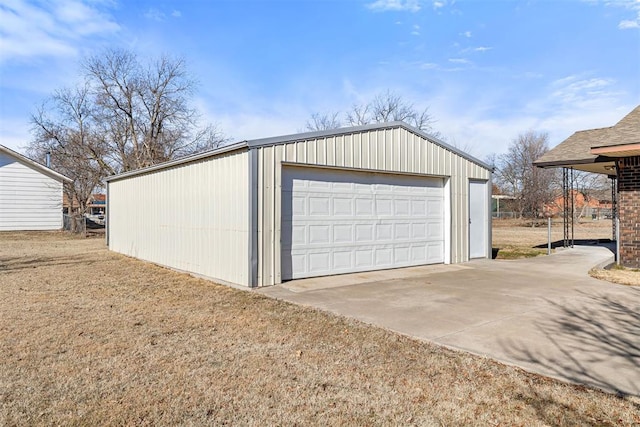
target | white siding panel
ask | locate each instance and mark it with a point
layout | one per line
(29, 200)
(193, 217)
(389, 150)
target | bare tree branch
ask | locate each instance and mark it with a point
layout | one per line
(531, 186)
(384, 107)
(125, 115)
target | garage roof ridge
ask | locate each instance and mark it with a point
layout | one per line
(277, 140)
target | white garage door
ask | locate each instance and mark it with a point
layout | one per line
(337, 221)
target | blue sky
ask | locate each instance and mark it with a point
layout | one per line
(487, 70)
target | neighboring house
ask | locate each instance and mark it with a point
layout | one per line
(97, 204)
(261, 212)
(30, 194)
(582, 205)
(615, 152)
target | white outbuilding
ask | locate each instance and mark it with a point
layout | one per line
(30, 194)
(261, 212)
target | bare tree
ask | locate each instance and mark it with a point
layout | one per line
(384, 107)
(531, 186)
(125, 115)
(71, 140)
(324, 121)
(390, 107)
(592, 186)
(144, 110)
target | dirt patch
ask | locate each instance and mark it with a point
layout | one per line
(90, 337)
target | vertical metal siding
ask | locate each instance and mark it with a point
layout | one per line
(387, 150)
(192, 217)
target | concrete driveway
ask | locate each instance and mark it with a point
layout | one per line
(543, 314)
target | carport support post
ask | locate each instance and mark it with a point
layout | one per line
(549, 236)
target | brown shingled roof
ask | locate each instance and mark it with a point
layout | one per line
(576, 150)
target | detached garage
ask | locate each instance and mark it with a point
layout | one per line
(261, 212)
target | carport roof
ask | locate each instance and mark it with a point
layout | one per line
(595, 150)
(262, 142)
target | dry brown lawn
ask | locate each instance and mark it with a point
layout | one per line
(620, 275)
(89, 337)
(518, 239)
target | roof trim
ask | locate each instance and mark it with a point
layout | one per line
(284, 139)
(256, 143)
(33, 164)
(613, 149)
(180, 161)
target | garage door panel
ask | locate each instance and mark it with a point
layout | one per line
(364, 233)
(319, 206)
(343, 206)
(418, 253)
(419, 230)
(384, 232)
(384, 206)
(434, 230)
(401, 207)
(339, 222)
(364, 259)
(343, 233)
(364, 207)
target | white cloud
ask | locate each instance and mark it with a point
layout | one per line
(625, 25)
(395, 5)
(576, 89)
(630, 5)
(49, 29)
(429, 66)
(416, 30)
(176, 14)
(438, 4)
(482, 48)
(466, 34)
(154, 15)
(459, 61)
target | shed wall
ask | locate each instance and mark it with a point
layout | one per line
(384, 150)
(29, 199)
(192, 217)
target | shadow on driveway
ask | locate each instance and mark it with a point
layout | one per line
(595, 338)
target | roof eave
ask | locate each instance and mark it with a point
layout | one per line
(42, 168)
(181, 161)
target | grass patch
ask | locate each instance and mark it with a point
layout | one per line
(89, 337)
(617, 274)
(519, 252)
(516, 239)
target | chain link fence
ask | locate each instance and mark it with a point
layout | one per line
(74, 224)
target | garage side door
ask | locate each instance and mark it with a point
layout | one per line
(336, 221)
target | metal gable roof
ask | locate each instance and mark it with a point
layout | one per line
(263, 142)
(33, 164)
